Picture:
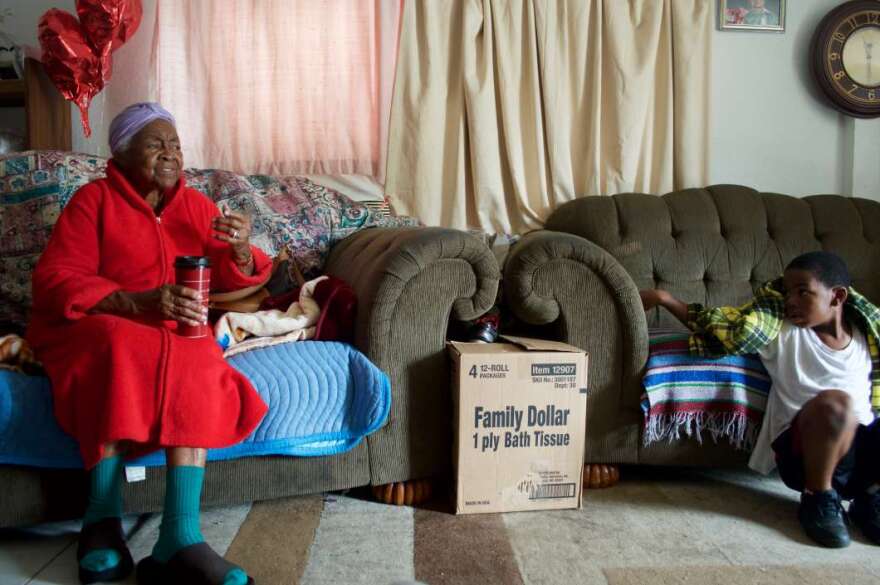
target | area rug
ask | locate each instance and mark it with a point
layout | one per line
(663, 527)
(784, 575)
(658, 527)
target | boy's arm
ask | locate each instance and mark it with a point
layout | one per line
(739, 330)
(660, 298)
(726, 330)
(732, 330)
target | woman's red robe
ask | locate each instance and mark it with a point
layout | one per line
(117, 378)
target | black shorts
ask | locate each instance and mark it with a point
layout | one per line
(858, 469)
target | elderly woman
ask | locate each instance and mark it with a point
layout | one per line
(106, 310)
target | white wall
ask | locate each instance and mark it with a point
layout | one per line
(771, 128)
(22, 25)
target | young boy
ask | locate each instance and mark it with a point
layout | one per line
(818, 339)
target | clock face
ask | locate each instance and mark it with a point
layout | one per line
(846, 57)
(861, 56)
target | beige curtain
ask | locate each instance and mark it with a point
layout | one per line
(504, 109)
(279, 86)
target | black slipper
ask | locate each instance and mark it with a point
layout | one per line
(196, 564)
(106, 533)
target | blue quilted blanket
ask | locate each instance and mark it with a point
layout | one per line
(324, 397)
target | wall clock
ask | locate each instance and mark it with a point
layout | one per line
(845, 57)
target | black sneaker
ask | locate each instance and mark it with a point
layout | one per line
(823, 519)
(865, 512)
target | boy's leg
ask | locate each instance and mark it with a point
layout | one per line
(181, 555)
(865, 484)
(826, 427)
(823, 433)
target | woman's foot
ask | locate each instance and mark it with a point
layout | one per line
(102, 553)
(181, 554)
(102, 547)
(197, 564)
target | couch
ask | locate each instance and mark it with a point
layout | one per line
(409, 281)
(578, 281)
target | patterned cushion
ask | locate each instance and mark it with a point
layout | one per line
(291, 213)
(34, 188)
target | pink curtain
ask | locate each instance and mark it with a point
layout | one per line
(280, 86)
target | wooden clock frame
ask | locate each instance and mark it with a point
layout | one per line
(826, 56)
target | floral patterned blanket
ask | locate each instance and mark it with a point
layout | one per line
(288, 213)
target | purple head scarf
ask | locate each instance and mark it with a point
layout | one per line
(130, 121)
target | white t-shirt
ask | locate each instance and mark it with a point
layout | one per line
(800, 367)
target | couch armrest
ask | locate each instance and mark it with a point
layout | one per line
(560, 278)
(408, 282)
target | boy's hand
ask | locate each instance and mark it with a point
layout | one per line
(653, 298)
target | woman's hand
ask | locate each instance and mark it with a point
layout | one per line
(179, 303)
(235, 229)
(172, 302)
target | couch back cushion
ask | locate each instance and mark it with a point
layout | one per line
(34, 188)
(292, 213)
(288, 213)
(716, 245)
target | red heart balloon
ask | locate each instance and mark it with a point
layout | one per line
(69, 61)
(108, 24)
(132, 14)
(100, 21)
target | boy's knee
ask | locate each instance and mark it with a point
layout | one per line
(830, 412)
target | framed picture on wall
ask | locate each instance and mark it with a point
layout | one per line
(768, 15)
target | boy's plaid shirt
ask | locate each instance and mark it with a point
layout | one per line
(746, 329)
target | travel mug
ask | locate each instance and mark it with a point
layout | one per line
(194, 272)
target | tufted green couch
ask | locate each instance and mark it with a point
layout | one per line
(580, 276)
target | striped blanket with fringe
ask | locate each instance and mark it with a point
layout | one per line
(689, 395)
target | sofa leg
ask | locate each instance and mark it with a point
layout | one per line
(403, 493)
(600, 475)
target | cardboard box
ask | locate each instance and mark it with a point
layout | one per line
(520, 408)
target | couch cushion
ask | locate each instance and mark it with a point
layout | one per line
(291, 213)
(34, 188)
(324, 397)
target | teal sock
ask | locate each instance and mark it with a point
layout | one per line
(105, 501)
(99, 560)
(105, 496)
(180, 518)
(235, 577)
